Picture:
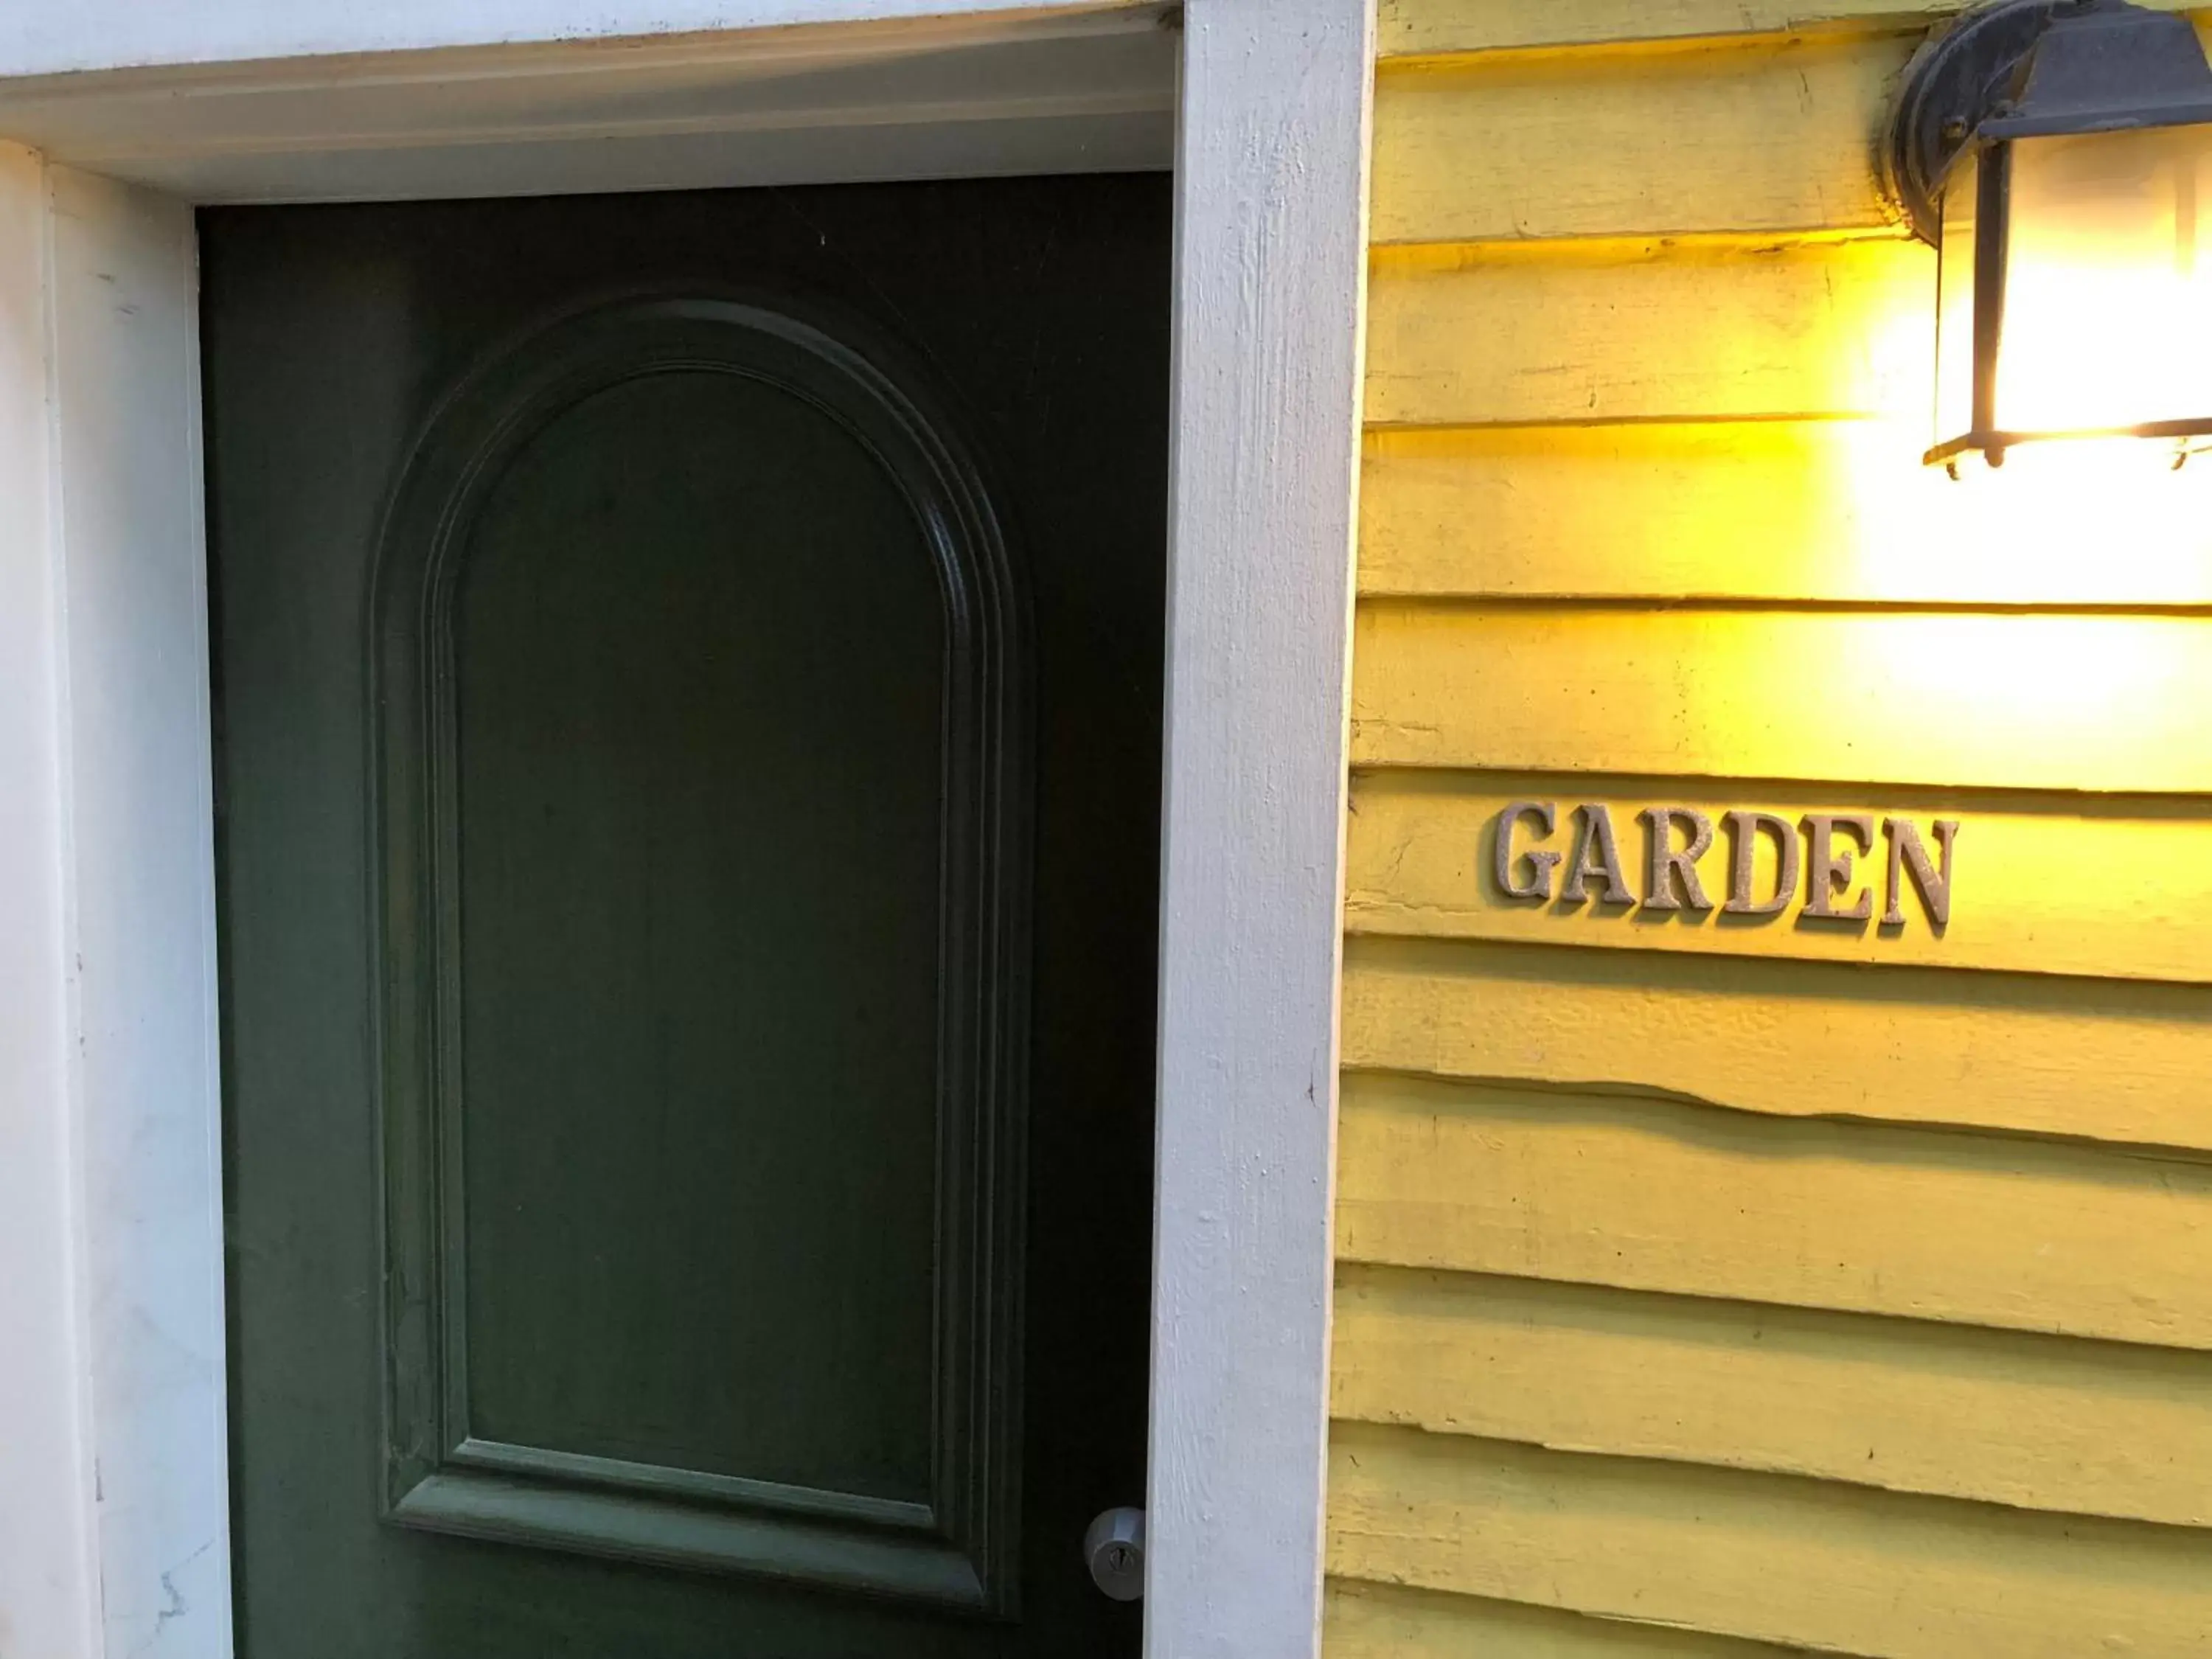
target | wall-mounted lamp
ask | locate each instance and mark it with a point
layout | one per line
(2058, 154)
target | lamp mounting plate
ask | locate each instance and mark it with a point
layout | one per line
(1956, 80)
(2017, 68)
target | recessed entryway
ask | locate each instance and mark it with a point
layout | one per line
(688, 682)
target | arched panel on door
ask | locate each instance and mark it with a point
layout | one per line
(700, 700)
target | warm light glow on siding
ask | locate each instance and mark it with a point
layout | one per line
(2102, 522)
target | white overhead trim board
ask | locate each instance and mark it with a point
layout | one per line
(113, 1516)
(1082, 90)
(37, 37)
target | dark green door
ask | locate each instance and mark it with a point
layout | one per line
(689, 675)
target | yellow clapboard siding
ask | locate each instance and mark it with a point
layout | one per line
(1827, 1566)
(2123, 893)
(1749, 1289)
(2106, 703)
(2040, 1422)
(2102, 1059)
(1820, 510)
(1658, 142)
(1388, 1621)
(1413, 28)
(1647, 1194)
(1720, 328)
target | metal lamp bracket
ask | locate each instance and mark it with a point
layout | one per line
(2021, 68)
(1962, 74)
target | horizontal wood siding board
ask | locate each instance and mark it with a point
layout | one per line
(1681, 140)
(1415, 27)
(2035, 887)
(2098, 1060)
(1643, 1193)
(1603, 331)
(1835, 512)
(2003, 1417)
(1393, 1621)
(2095, 703)
(1815, 1563)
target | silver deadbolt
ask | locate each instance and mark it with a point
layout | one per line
(1114, 1549)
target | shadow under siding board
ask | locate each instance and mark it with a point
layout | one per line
(1650, 328)
(1393, 1621)
(1769, 1558)
(1644, 1193)
(1768, 135)
(1952, 700)
(1830, 511)
(1412, 27)
(2039, 1422)
(2106, 1060)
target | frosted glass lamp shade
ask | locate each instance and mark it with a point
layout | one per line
(2075, 290)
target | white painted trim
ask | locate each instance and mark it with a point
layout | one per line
(48, 1563)
(1081, 90)
(1271, 265)
(126, 330)
(70, 37)
(113, 1512)
(111, 1504)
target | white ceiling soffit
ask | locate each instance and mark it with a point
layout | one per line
(1077, 90)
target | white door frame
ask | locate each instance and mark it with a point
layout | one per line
(113, 1507)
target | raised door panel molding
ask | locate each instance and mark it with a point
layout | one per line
(702, 726)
